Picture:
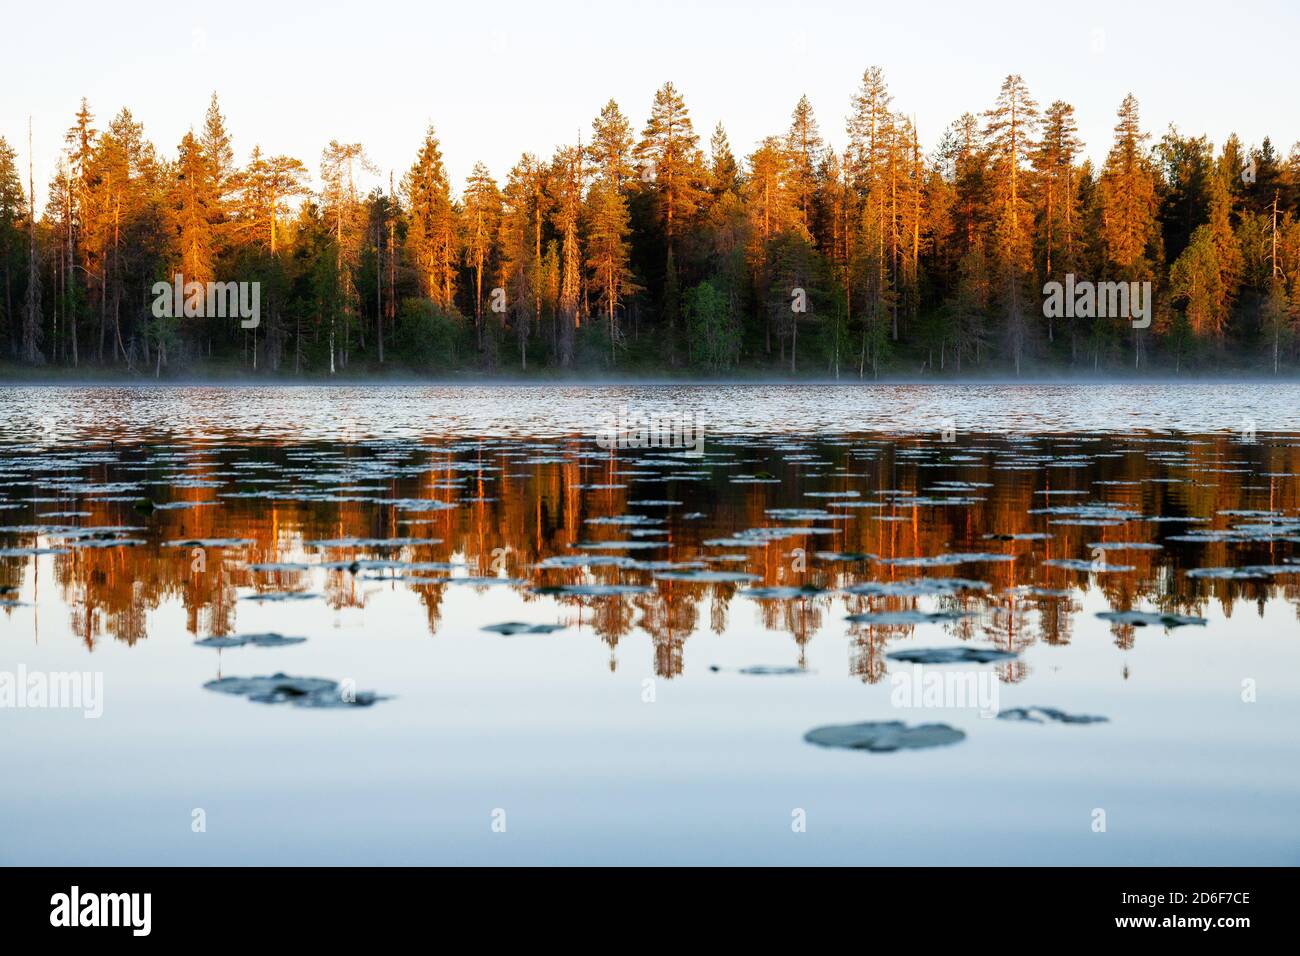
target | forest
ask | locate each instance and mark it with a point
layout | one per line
(656, 253)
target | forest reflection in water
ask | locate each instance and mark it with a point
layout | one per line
(996, 538)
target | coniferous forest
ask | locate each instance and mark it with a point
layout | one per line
(659, 249)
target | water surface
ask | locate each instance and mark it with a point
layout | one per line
(693, 617)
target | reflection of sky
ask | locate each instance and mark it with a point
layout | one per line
(587, 772)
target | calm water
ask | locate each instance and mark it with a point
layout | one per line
(694, 614)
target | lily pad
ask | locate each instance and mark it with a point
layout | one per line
(943, 560)
(917, 587)
(884, 736)
(1078, 564)
(782, 593)
(243, 640)
(299, 691)
(510, 628)
(894, 618)
(208, 543)
(1249, 572)
(762, 670)
(1041, 715)
(592, 590)
(716, 577)
(279, 596)
(1148, 619)
(951, 655)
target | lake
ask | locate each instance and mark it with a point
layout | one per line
(492, 626)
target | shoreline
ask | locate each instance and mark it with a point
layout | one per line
(117, 378)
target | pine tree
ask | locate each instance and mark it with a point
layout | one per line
(32, 318)
(1128, 203)
(220, 156)
(128, 223)
(772, 207)
(724, 174)
(671, 171)
(1057, 195)
(521, 263)
(192, 201)
(566, 201)
(1008, 134)
(804, 144)
(612, 146)
(1128, 198)
(609, 255)
(264, 187)
(340, 163)
(1196, 280)
(431, 239)
(12, 212)
(669, 146)
(481, 222)
(871, 134)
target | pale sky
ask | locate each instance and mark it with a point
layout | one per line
(498, 78)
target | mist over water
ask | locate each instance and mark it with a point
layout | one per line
(352, 412)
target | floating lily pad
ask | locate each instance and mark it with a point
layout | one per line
(762, 670)
(716, 577)
(1041, 715)
(478, 582)
(619, 545)
(244, 640)
(510, 628)
(107, 543)
(1249, 572)
(1031, 591)
(894, 618)
(1078, 564)
(592, 590)
(1148, 619)
(585, 561)
(951, 655)
(299, 691)
(373, 543)
(208, 543)
(625, 519)
(944, 560)
(917, 587)
(884, 736)
(781, 593)
(279, 596)
(280, 566)
(1125, 546)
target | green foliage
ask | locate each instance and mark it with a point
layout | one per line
(427, 336)
(713, 330)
